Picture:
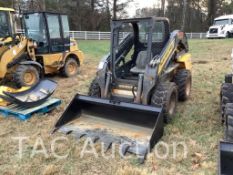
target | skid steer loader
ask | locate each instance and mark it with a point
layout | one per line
(46, 48)
(226, 146)
(136, 88)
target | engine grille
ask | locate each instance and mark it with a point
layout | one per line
(214, 30)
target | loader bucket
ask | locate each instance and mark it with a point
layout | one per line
(226, 158)
(137, 128)
(34, 96)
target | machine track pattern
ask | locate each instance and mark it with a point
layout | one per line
(226, 96)
(229, 122)
(182, 78)
(161, 97)
(94, 89)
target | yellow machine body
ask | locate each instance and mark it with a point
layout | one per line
(54, 62)
(9, 54)
(185, 61)
(15, 49)
(9, 14)
(11, 90)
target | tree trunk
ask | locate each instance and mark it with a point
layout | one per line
(185, 4)
(114, 9)
(211, 11)
(108, 10)
(92, 5)
(163, 7)
(43, 6)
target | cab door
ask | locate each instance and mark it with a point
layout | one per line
(55, 33)
(65, 31)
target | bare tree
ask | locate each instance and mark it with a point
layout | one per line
(185, 4)
(211, 10)
(163, 7)
(115, 9)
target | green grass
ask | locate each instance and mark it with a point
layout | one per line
(197, 122)
(96, 49)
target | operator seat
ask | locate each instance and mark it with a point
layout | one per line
(141, 62)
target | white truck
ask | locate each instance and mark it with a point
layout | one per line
(222, 27)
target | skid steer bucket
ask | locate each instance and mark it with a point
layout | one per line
(226, 158)
(136, 128)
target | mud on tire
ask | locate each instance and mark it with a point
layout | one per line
(183, 80)
(166, 95)
(70, 68)
(26, 75)
(94, 89)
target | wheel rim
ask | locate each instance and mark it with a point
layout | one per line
(172, 104)
(29, 78)
(188, 88)
(72, 68)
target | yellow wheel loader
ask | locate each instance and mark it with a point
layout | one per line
(136, 88)
(7, 25)
(46, 48)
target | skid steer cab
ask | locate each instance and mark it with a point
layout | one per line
(46, 48)
(136, 88)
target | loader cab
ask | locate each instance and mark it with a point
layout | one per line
(49, 30)
(7, 22)
(135, 43)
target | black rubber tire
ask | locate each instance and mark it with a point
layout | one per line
(229, 122)
(183, 80)
(226, 96)
(94, 89)
(164, 94)
(18, 75)
(64, 70)
(228, 78)
(228, 35)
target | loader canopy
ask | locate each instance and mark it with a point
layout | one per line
(144, 39)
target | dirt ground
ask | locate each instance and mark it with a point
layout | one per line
(197, 124)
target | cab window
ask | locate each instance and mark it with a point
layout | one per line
(54, 27)
(66, 27)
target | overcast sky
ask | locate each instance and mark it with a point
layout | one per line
(133, 6)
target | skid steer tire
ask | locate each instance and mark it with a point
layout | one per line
(166, 96)
(26, 75)
(94, 90)
(183, 80)
(70, 68)
(229, 122)
(228, 78)
(226, 96)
